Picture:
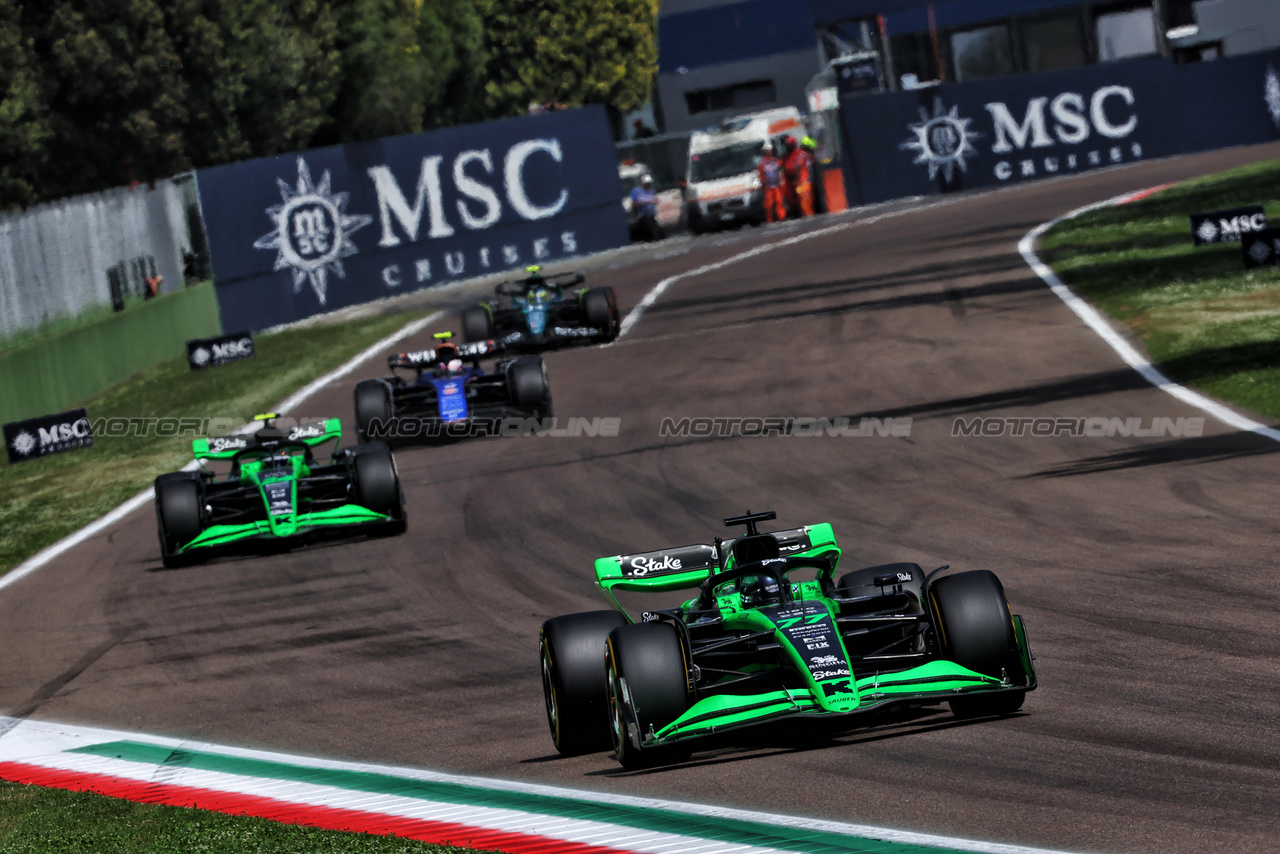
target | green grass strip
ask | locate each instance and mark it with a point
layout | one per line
(36, 820)
(640, 818)
(1205, 320)
(44, 500)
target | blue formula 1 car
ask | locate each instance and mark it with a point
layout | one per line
(544, 312)
(445, 393)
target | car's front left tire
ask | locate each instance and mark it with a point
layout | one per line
(376, 484)
(179, 515)
(648, 688)
(975, 629)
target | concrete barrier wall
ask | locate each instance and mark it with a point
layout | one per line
(55, 259)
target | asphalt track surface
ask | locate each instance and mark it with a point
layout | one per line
(1144, 567)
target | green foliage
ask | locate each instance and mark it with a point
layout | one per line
(116, 93)
(24, 125)
(568, 52)
(98, 93)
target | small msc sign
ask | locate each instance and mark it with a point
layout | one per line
(48, 434)
(1262, 248)
(211, 352)
(1226, 226)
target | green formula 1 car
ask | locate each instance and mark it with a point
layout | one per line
(757, 644)
(276, 492)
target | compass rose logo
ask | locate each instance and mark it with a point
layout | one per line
(942, 140)
(312, 231)
(24, 443)
(1273, 94)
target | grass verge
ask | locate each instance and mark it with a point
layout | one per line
(42, 501)
(35, 820)
(1206, 321)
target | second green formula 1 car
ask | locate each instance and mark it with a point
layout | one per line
(276, 493)
(756, 645)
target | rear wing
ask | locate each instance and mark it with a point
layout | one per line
(686, 567)
(226, 447)
(422, 358)
(562, 280)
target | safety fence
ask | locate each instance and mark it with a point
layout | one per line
(65, 258)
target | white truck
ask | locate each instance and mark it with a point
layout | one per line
(721, 184)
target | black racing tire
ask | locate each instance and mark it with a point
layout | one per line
(527, 383)
(600, 307)
(650, 660)
(375, 482)
(574, 677)
(179, 515)
(974, 628)
(374, 402)
(477, 324)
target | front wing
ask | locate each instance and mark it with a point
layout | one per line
(306, 524)
(934, 682)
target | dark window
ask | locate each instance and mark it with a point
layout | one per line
(982, 52)
(1053, 43)
(913, 57)
(749, 94)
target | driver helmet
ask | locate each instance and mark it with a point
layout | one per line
(454, 365)
(447, 354)
(790, 143)
(808, 143)
(768, 147)
(757, 590)
(646, 181)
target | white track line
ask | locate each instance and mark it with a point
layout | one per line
(41, 558)
(1095, 321)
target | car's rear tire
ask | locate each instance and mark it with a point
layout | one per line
(374, 403)
(376, 484)
(477, 324)
(974, 627)
(179, 515)
(528, 385)
(574, 677)
(601, 310)
(648, 688)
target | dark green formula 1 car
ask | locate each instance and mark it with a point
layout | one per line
(757, 645)
(276, 492)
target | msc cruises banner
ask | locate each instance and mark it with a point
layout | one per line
(1023, 127)
(299, 234)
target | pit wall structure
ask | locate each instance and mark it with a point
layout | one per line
(1006, 130)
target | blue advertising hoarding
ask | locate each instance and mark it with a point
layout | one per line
(1006, 130)
(299, 234)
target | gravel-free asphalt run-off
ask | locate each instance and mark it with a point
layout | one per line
(1144, 566)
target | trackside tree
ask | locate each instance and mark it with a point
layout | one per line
(99, 93)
